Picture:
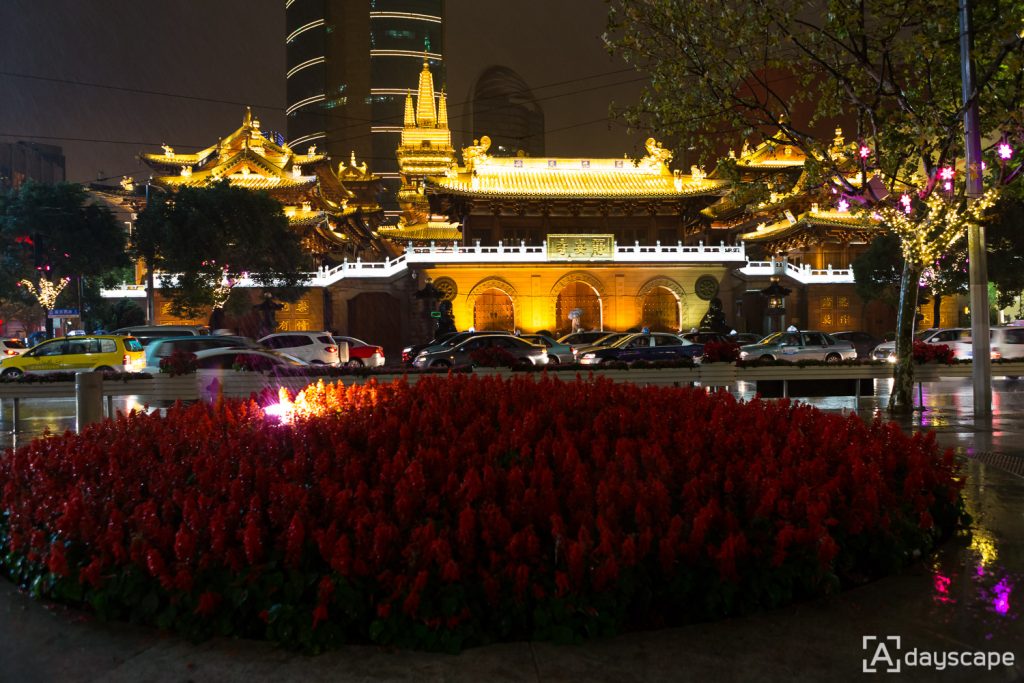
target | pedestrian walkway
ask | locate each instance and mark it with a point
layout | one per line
(967, 598)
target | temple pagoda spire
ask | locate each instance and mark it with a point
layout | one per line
(426, 115)
(442, 111)
(410, 113)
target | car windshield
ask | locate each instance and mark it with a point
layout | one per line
(921, 336)
(776, 338)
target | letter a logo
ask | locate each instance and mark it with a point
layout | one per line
(881, 654)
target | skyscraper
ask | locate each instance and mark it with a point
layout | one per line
(350, 65)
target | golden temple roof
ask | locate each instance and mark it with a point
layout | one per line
(828, 219)
(770, 154)
(432, 230)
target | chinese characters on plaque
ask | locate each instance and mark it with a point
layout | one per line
(581, 247)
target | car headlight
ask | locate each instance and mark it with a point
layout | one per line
(589, 356)
(744, 354)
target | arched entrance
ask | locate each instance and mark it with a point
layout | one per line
(582, 296)
(660, 311)
(493, 310)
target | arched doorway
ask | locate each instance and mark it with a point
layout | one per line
(578, 295)
(660, 311)
(493, 310)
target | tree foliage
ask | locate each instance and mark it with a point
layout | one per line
(211, 237)
(55, 231)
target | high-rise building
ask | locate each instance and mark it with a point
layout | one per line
(505, 110)
(351, 64)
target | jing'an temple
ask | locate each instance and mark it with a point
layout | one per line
(520, 243)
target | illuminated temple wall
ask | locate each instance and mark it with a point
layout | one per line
(614, 297)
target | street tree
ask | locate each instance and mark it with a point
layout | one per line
(52, 234)
(205, 240)
(791, 69)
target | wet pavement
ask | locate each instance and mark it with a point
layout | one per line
(968, 598)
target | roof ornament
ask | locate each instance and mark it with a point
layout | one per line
(657, 156)
(732, 154)
(698, 174)
(476, 153)
(311, 151)
(677, 180)
(296, 172)
(127, 184)
(168, 150)
(186, 171)
(247, 119)
(352, 159)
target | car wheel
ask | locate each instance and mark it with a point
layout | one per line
(103, 368)
(766, 357)
(440, 364)
(553, 360)
(12, 373)
(833, 358)
(354, 363)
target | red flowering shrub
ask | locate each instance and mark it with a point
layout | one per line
(721, 352)
(492, 357)
(179, 363)
(417, 515)
(933, 353)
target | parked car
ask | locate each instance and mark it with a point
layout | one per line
(228, 359)
(557, 351)
(640, 346)
(607, 339)
(802, 345)
(956, 338)
(12, 347)
(461, 353)
(862, 341)
(312, 347)
(1008, 342)
(89, 352)
(147, 333)
(158, 349)
(360, 354)
(581, 338)
(409, 353)
(703, 337)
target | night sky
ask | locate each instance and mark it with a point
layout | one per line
(233, 51)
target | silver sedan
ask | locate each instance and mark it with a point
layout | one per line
(795, 346)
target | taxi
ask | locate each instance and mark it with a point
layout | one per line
(99, 352)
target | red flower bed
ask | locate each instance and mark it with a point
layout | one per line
(932, 353)
(463, 510)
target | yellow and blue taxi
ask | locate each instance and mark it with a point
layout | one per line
(98, 352)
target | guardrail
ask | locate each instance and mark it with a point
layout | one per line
(802, 274)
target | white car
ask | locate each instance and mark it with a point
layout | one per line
(956, 338)
(316, 348)
(11, 347)
(227, 359)
(360, 354)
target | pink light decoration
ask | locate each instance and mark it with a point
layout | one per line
(843, 205)
(946, 172)
(1002, 591)
(905, 200)
(865, 151)
(1004, 151)
(948, 186)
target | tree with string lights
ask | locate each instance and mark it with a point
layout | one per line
(791, 69)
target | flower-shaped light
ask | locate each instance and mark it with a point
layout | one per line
(947, 173)
(865, 151)
(1004, 151)
(843, 205)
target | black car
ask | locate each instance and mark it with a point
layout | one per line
(640, 346)
(862, 341)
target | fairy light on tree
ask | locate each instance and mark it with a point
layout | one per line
(45, 292)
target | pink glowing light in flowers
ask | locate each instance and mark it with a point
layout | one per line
(843, 205)
(865, 151)
(941, 584)
(1004, 151)
(946, 173)
(1002, 591)
(905, 200)
(948, 186)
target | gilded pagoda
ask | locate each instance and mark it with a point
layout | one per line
(335, 210)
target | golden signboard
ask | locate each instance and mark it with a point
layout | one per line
(581, 247)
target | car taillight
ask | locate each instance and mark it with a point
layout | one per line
(331, 349)
(126, 361)
(379, 351)
(8, 352)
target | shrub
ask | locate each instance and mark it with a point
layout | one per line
(721, 352)
(414, 515)
(179, 363)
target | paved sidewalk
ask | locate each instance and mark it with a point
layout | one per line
(967, 598)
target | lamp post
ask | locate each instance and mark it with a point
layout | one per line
(776, 295)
